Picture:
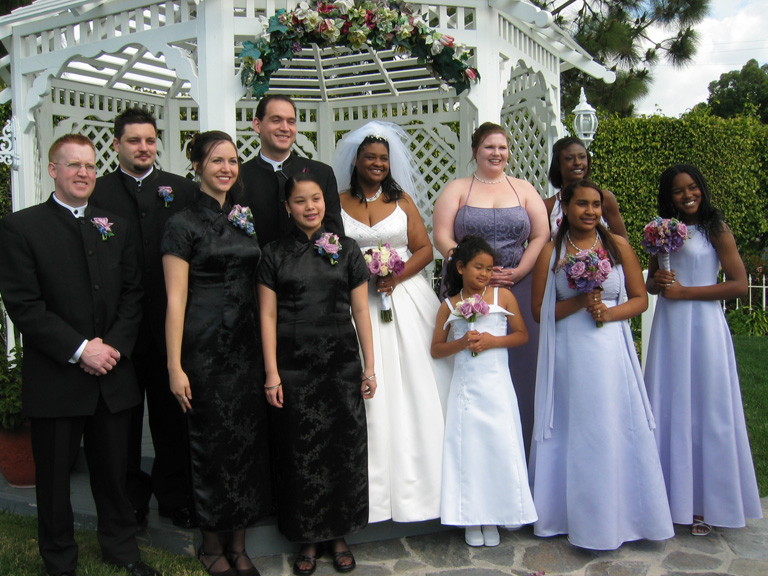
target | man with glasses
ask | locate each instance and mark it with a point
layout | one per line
(147, 197)
(70, 281)
(264, 177)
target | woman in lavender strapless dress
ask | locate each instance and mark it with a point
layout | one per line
(507, 213)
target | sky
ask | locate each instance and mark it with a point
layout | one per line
(734, 32)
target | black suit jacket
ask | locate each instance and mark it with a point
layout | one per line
(62, 284)
(147, 214)
(263, 193)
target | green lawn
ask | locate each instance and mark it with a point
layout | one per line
(18, 534)
(19, 555)
(751, 354)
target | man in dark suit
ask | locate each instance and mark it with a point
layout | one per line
(71, 284)
(147, 197)
(264, 177)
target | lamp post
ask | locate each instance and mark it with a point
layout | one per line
(585, 121)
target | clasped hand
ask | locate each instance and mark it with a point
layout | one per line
(593, 302)
(98, 358)
(503, 277)
(386, 284)
(668, 285)
(478, 341)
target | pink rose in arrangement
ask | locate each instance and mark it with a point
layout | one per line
(328, 245)
(381, 262)
(578, 268)
(104, 226)
(586, 271)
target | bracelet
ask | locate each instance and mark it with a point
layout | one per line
(371, 377)
(273, 387)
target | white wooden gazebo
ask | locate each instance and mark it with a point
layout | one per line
(73, 65)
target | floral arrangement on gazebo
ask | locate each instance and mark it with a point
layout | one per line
(380, 24)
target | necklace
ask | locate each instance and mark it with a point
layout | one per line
(568, 237)
(504, 177)
(461, 292)
(374, 197)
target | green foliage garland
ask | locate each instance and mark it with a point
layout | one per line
(380, 24)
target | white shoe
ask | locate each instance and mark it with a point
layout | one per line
(491, 536)
(513, 527)
(473, 536)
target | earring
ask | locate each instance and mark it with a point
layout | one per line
(289, 215)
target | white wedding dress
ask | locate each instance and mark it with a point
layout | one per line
(406, 416)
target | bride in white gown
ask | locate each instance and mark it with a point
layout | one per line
(406, 419)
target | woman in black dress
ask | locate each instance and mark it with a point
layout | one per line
(307, 283)
(210, 255)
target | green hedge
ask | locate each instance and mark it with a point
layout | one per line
(629, 155)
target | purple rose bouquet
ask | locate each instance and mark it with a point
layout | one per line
(586, 270)
(104, 226)
(469, 308)
(383, 261)
(166, 193)
(242, 217)
(328, 245)
(662, 236)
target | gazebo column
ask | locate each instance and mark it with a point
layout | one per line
(218, 87)
(488, 95)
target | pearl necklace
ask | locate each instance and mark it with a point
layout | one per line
(461, 293)
(504, 177)
(374, 197)
(568, 237)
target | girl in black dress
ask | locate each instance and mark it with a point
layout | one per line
(210, 255)
(307, 283)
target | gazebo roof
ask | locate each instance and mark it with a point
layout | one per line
(314, 74)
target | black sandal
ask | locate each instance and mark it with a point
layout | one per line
(232, 556)
(310, 559)
(216, 557)
(337, 556)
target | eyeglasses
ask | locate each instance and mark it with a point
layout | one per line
(76, 166)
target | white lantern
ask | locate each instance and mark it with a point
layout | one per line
(585, 121)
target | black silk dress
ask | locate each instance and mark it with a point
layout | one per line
(320, 438)
(221, 354)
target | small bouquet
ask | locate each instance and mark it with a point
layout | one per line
(662, 236)
(383, 261)
(469, 308)
(328, 245)
(586, 271)
(242, 217)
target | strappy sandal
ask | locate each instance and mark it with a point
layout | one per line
(216, 557)
(232, 556)
(700, 528)
(310, 559)
(342, 555)
(338, 556)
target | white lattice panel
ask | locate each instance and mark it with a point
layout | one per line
(523, 115)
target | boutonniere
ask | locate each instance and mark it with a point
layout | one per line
(242, 217)
(166, 193)
(104, 226)
(328, 245)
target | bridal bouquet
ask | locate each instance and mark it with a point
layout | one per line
(662, 236)
(383, 261)
(469, 308)
(586, 270)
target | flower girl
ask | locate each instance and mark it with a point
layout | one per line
(485, 481)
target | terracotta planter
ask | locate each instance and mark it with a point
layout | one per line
(16, 462)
